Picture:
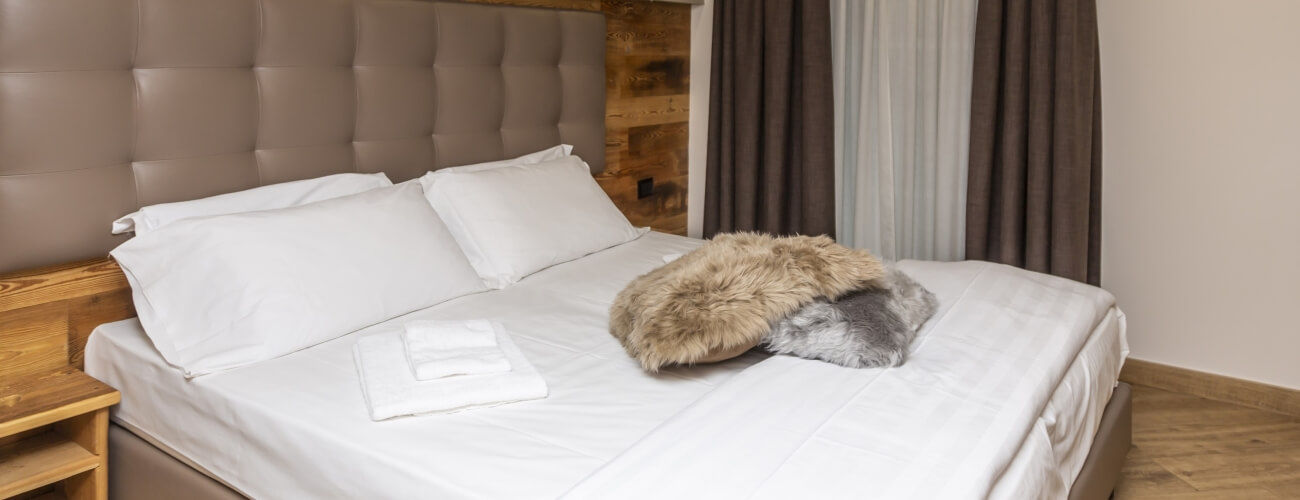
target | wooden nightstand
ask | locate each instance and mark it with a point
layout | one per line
(54, 435)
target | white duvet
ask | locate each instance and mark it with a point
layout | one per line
(1000, 398)
(947, 424)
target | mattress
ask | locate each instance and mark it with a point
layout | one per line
(296, 427)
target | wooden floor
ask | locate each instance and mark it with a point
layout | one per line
(1186, 447)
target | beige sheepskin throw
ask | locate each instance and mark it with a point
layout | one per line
(726, 294)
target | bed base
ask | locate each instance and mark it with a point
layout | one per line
(140, 471)
(1100, 471)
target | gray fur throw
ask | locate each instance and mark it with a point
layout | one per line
(866, 328)
(726, 295)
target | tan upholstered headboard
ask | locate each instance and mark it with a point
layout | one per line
(109, 105)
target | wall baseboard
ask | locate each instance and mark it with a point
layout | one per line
(1210, 386)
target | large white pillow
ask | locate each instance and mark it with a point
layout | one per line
(285, 194)
(517, 220)
(219, 292)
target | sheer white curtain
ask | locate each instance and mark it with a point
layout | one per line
(902, 125)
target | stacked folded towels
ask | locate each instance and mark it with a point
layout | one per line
(437, 349)
(443, 367)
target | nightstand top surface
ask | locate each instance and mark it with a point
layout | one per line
(31, 401)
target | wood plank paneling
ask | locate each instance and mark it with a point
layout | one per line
(86, 313)
(33, 340)
(656, 152)
(639, 111)
(652, 75)
(62, 282)
(47, 315)
(647, 67)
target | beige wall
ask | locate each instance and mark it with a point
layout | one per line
(698, 149)
(1201, 229)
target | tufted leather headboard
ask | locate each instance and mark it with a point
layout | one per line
(110, 105)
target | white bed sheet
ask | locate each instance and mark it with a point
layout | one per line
(296, 427)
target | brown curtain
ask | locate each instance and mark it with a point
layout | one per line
(771, 159)
(1034, 189)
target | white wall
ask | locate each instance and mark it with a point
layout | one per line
(1201, 194)
(698, 130)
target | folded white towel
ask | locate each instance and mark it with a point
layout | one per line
(472, 361)
(443, 335)
(436, 349)
(391, 390)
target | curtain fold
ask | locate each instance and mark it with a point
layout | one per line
(902, 92)
(770, 160)
(1034, 185)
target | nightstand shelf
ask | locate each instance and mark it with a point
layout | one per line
(40, 460)
(54, 435)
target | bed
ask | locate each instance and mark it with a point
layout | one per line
(291, 89)
(307, 435)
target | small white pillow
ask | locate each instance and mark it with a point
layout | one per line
(216, 293)
(517, 220)
(285, 194)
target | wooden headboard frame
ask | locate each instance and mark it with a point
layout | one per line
(47, 314)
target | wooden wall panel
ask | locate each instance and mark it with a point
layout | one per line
(655, 151)
(647, 67)
(33, 339)
(86, 313)
(647, 94)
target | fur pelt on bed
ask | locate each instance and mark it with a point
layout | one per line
(866, 328)
(729, 292)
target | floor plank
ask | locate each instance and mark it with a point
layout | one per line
(1287, 489)
(1247, 494)
(1189, 448)
(1232, 471)
(1143, 478)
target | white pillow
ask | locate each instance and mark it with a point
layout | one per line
(514, 221)
(219, 292)
(548, 154)
(285, 194)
